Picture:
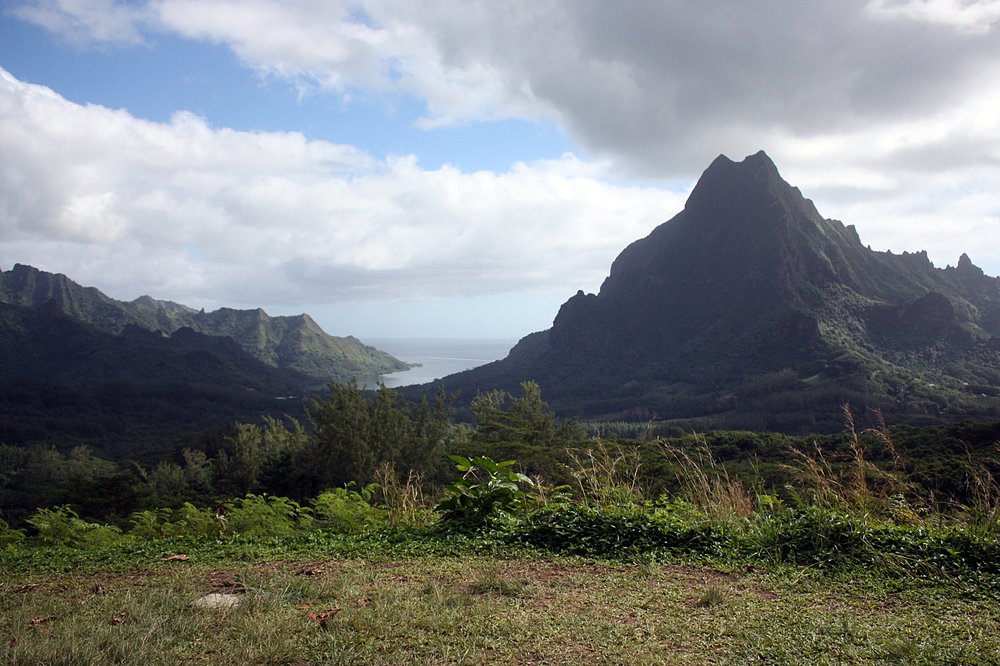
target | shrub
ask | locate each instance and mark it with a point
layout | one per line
(617, 531)
(62, 526)
(811, 535)
(344, 510)
(487, 489)
(263, 515)
(188, 520)
(9, 537)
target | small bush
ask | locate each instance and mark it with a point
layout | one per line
(809, 535)
(9, 537)
(62, 526)
(486, 490)
(344, 510)
(263, 515)
(616, 531)
(188, 520)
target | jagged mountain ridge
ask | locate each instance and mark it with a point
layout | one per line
(296, 343)
(45, 345)
(749, 303)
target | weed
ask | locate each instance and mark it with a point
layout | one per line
(982, 513)
(605, 476)
(856, 485)
(404, 503)
(491, 581)
(711, 596)
(707, 485)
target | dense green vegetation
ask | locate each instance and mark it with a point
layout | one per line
(732, 547)
(353, 436)
(359, 457)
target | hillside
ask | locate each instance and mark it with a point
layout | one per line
(47, 346)
(294, 343)
(749, 309)
(135, 395)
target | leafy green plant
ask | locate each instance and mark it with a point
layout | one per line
(151, 523)
(9, 538)
(187, 520)
(812, 535)
(345, 510)
(263, 515)
(487, 489)
(62, 526)
(619, 531)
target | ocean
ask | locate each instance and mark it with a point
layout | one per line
(438, 357)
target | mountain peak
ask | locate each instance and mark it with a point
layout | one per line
(749, 301)
(966, 267)
(759, 161)
(729, 189)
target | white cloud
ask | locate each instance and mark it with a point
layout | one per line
(883, 111)
(87, 21)
(211, 216)
(973, 16)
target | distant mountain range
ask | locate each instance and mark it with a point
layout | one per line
(296, 343)
(136, 380)
(749, 309)
(45, 345)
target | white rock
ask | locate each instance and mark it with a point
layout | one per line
(218, 600)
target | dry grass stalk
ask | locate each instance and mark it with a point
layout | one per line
(866, 488)
(602, 475)
(983, 510)
(404, 501)
(706, 484)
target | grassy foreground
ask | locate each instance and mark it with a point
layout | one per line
(356, 601)
(852, 566)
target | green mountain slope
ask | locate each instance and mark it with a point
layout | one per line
(749, 309)
(46, 345)
(138, 394)
(295, 343)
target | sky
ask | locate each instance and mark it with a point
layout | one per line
(402, 168)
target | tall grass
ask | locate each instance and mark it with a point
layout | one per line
(707, 485)
(852, 483)
(405, 503)
(982, 512)
(605, 475)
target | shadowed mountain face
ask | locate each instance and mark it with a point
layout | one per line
(133, 379)
(44, 345)
(748, 309)
(294, 343)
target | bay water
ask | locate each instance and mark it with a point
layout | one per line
(438, 357)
